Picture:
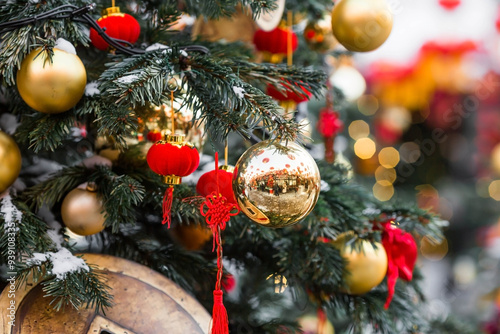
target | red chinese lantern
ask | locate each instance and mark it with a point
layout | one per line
(287, 97)
(117, 25)
(274, 44)
(153, 136)
(449, 4)
(207, 183)
(173, 158)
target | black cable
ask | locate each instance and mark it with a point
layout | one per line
(80, 14)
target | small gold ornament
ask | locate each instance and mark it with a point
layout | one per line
(10, 161)
(361, 25)
(311, 324)
(192, 237)
(51, 88)
(276, 184)
(82, 211)
(318, 35)
(366, 267)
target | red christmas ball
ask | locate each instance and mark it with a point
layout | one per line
(288, 94)
(153, 136)
(208, 183)
(173, 157)
(117, 25)
(274, 41)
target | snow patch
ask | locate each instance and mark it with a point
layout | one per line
(240, 92)
(56, 238)
(64, 45)
(187, 20)
(91, 89)
(63, 262)
(128, 78)
(324, 186)
(10, 212)
(156, 46)
(183, 53)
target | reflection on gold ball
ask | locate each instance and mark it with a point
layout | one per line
(367, 267)
(361, 25)
(51, 88)
(81, 212)
(10, 161)
(276, 184)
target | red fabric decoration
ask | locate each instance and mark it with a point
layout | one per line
(286, 94)
(173, 160)
(207, 184)
(329, 123)
(217, 212)
(117, 25)
(401, 251)
(274, 41)
(153, 136)
(449, 4)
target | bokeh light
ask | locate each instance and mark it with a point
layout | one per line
(388, 157)
(383, 175)
(368, 105)
(410, 152)
(433, 249)
(383, 191)
(359, 129)
(364, 148)
(494, 190)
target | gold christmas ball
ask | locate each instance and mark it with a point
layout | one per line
(82, 212)
(367, 265)
(51, 88)
(361, 25)
(318, 35)
(10, 161)
(310, 324)
(191, 237)
(276, 184)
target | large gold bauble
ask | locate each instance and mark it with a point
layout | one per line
(276, 184)
(82, 212)
(51, 88)
(366, 267)
(10, 161)
(361, 25)
(141, 299)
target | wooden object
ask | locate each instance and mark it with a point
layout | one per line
(145, 302)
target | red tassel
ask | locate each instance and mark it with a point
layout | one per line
(167, 205)
(219, 315)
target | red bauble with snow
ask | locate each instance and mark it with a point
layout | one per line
(117, 25)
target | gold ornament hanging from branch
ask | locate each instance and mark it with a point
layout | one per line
(10, 161)
(82, 211)
(51, 85)
(361, 25)
(276, 184)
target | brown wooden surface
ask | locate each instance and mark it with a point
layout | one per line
(145, 303)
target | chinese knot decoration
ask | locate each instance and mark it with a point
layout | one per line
(173, 158)
(217, 211)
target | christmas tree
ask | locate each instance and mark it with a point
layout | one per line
(101, 154)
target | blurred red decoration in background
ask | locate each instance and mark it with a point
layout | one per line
(117, 25)
(449, 4)
(329, 123)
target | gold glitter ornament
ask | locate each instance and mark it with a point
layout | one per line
(276, 184)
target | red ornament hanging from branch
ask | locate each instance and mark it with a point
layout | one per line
(329, 125)
(287, 97)
(217, 211)
(274, 44)
(117, 25)
(173, 158)
(207, 183)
